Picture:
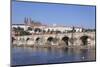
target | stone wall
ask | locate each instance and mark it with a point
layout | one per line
(69, 39)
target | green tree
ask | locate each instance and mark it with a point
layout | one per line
(37, 30)
(29, 28)
(57, 31)
(24, 33)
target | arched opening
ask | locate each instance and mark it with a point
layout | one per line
(27, 39)
(50, 39)
(37, 39)
(65, 39)
(13, 39)
(84, 40)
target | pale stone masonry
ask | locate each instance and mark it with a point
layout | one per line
(56, 39)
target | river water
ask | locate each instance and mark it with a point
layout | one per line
(26, 55)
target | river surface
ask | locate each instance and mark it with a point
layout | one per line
(26, 55)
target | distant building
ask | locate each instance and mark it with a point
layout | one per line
(47, 28)
(37, 27)
(25, 27)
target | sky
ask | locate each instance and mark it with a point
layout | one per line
(50, 13)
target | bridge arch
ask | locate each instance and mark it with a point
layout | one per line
(65, 39)
(37, 39)
(27, 39)
(13, 39)
(50, 39)
(85, 39)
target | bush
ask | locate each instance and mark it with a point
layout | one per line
(24, 33)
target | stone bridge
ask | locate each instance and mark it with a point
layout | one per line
(68, 39)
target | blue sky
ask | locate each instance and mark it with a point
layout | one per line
(69, 15)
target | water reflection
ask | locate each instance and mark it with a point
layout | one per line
(23, 56)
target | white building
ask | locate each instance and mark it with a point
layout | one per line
(57, 28)
(25, 27)
(46, 28)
